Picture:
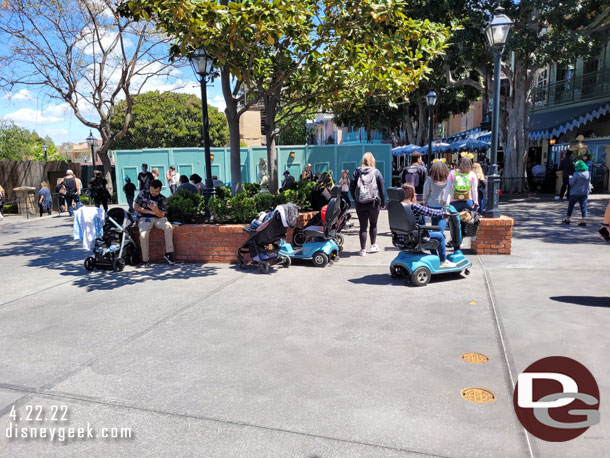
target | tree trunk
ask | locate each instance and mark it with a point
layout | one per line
(410, 132)
(233, 121)
(421, 125)
(516, 140)
(107, 166)
(271, 135)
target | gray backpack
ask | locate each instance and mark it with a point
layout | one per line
(367, 190)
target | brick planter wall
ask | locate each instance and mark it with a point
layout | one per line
(202, 243)
(494, 236)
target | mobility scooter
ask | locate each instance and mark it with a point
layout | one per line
(412, 239)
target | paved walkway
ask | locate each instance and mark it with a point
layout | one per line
(206, 360)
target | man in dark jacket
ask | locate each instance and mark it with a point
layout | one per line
(145, 178)
(97, 185)
(416, 173)
(567, 168)
(289, 182)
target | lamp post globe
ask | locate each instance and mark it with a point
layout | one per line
(430, 101)
(497, 34)
(203, 66)
(91, 142)
(45, 150)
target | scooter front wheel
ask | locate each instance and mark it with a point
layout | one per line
(319, 259)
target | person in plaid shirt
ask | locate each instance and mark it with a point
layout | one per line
(422, 211)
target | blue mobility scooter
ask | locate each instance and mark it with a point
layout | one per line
(412, 239)
(320, 246)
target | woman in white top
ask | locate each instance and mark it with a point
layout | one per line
(462, 187)
(172, 179)
(344, 183)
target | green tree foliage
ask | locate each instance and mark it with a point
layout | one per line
(295, 132)
(165, 120)
(19, 144)
(296, 54)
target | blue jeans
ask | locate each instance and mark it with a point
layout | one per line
(442, 249)
(582, 200)
(69, 199)
(437, 220)
(461, 205)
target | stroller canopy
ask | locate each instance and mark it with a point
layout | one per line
(288, 213)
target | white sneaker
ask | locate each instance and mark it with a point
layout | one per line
(362, 253)
(375, 248)
(447, 264)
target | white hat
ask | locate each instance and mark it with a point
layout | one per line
(69, 172)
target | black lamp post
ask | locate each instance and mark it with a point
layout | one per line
(91, 142)
(430, 101)
(203, 65)
(45, 150)
(497, 33)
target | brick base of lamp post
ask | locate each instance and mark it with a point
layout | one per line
(494, 236)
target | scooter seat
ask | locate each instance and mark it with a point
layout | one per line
(314, 231)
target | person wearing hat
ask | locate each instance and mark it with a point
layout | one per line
(289, 182)
(97, 185)
(72, 191)
(129, 189)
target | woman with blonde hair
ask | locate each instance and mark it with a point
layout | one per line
(368, 191)
(481, 185)
(462, 186)
(45, 202)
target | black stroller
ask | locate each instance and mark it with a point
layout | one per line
(299, 238)
(263, 244)
(115, 248)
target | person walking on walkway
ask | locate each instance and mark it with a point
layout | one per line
(130, 190)
(368, 191)
(567, 170)
(344, 183)
(100, 194)
(72, 191)
(481, 185)
(415, 173)
(579, 191)
(604, 231)
(144, 178)
(45, 201)
(172, 179)
(462, 187)
(435, 190)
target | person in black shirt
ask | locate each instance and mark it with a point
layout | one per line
(567, 168)
(72, 191)
(97, 185)
(416, 173)
(129, 189)
(145, 178)
(152, 207)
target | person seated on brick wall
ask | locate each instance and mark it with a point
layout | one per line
(185, 185)
(151, 205)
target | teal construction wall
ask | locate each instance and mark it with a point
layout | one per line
(191, 160)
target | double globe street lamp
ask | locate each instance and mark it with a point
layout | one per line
(203, 65)
(430, 101)
(497, 34)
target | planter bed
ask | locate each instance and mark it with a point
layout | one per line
(203, 243)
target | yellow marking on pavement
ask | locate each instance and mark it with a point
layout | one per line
(475, 358)
(478, 395)
(472, 303)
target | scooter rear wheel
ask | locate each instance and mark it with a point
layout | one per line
(421, 276)
(319, 259)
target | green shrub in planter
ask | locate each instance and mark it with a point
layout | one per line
(251, 189)
(10, 208)
(185, 207)
(222, 192)
(219, 208)
(243, 209)
(84, 200)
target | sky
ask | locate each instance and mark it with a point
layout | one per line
(36, 111)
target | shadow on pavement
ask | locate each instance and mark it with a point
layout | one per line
(386, 279)
(589, 301)
(56, 254)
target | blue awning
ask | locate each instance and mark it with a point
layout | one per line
(554, 123)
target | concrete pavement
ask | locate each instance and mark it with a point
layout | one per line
(305, 362)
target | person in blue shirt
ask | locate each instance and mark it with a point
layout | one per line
(45, 202)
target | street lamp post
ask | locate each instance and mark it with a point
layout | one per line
(91, 142)
(203, 65)
(497, 33)
(430, 101)
(45, 150)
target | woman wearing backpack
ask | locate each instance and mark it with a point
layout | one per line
(463, 187)
(368, 191)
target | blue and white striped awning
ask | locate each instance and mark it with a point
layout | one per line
(554, 123)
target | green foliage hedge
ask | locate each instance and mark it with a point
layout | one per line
(11, 208)
(185, 207)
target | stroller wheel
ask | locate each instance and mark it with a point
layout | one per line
(319, 259)
(286, 261)
(263, 267)
(421, 276)
(90, 263)
(298, 239)
(241, 262)
(118, 265)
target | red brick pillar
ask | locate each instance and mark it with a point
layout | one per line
(494, 236)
